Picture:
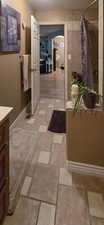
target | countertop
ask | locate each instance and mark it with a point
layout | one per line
(4, 113)
(70, 106)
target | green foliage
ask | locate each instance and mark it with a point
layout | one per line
(83, 90)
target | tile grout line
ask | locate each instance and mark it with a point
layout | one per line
(86, 194)
(38, 213)
(39, 200)
(57, 198)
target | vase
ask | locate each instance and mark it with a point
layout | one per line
(74, 93)
(90, 100)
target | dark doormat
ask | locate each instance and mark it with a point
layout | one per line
(58, 122)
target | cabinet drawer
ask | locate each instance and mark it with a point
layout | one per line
(3, 203)
(4, 133)
(4, 166)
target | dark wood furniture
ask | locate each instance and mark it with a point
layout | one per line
(4, 167)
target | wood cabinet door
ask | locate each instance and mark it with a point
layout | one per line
(4, 134)
(3, 203)
(4, 164)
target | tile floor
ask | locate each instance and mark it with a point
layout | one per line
(52, 85)
(50, 195)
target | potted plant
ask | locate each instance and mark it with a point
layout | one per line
(89, 95)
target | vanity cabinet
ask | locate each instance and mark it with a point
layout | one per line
(4, 162)
(4, 169)
(85, 138)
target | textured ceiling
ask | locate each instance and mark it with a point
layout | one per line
(59, 4)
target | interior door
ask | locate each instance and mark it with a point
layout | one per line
(35, 64)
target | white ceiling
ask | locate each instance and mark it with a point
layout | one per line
(59, 4)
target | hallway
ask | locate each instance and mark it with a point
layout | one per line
(52, 85)
(49, 195)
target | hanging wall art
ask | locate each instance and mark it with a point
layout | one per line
(10, 37)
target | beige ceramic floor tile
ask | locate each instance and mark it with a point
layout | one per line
(59, 147)
(57, 139)
(42, 102)
(26, 186)
(44, 157)
(57, 100)
(44, 184)
(31, 121)
(50, 106)
(52, 85)
(65, 177)
(32, 163)
(72, 207)
(58, 159)
(25, 146)
(96, 204)
(43, 129)
(90, 183)
(42, 112)
(61, 109)
(26, 213)
(44, 141)
(22, 144)
(46, 215)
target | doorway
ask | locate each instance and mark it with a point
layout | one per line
(52, 61)
(35, 64)
(58, 53)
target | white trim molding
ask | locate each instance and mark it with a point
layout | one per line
(66, 62)
(53, 23)
(86, 169)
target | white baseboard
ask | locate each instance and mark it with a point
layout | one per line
(85, 169)
(21, 116)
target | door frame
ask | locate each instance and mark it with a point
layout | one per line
(34, 70)
(65, 24)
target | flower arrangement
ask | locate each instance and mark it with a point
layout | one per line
(76, 78)
(89, 95)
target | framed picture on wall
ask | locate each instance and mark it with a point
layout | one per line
(10, 28)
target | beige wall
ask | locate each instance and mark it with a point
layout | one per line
(64, 16)
(11, 93)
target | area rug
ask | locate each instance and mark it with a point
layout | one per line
(58, 122)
